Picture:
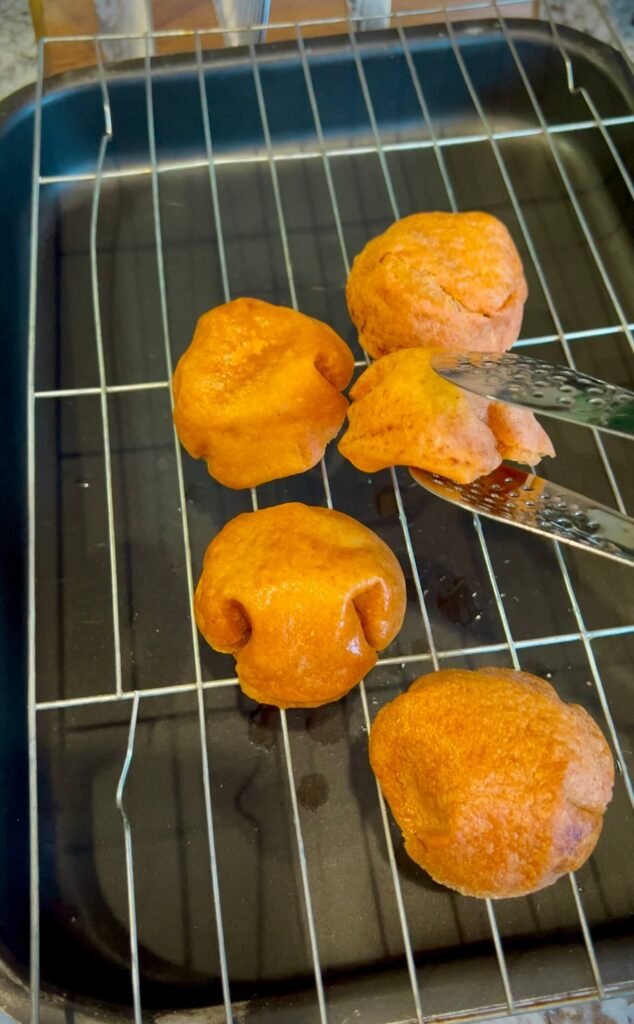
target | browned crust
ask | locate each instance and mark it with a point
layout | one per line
(303, 598)
(447, 280)
(258, 392)
(498, 786)
(404, 414)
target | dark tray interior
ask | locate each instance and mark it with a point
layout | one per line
(84, 923)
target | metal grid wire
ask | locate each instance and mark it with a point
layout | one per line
(434, 657)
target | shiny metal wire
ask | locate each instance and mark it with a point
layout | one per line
(433, 657)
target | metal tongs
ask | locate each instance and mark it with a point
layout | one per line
(525, 499)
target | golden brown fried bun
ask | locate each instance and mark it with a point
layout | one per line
(257, 393)
(497, 785)
(405, 414)
(447, 280)
(303, 598)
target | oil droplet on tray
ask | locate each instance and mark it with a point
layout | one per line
(312, 791)
(455, 600)
(263, 727)
(386, 502)
(326, 725)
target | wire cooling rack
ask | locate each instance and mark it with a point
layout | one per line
(274, 158)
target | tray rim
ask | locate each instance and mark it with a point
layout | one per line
(17, 102)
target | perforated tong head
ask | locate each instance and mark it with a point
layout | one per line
(524, 499)
(551, 390)
(535, 504)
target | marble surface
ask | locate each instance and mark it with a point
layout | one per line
(582, 14)
(17, 46)
(17, 68)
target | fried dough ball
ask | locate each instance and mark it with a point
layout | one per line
(443, 280)
(405, 414)
(304, 598)
(498, 786)
(258, 392)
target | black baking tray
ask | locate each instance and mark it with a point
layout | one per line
(85, 956)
